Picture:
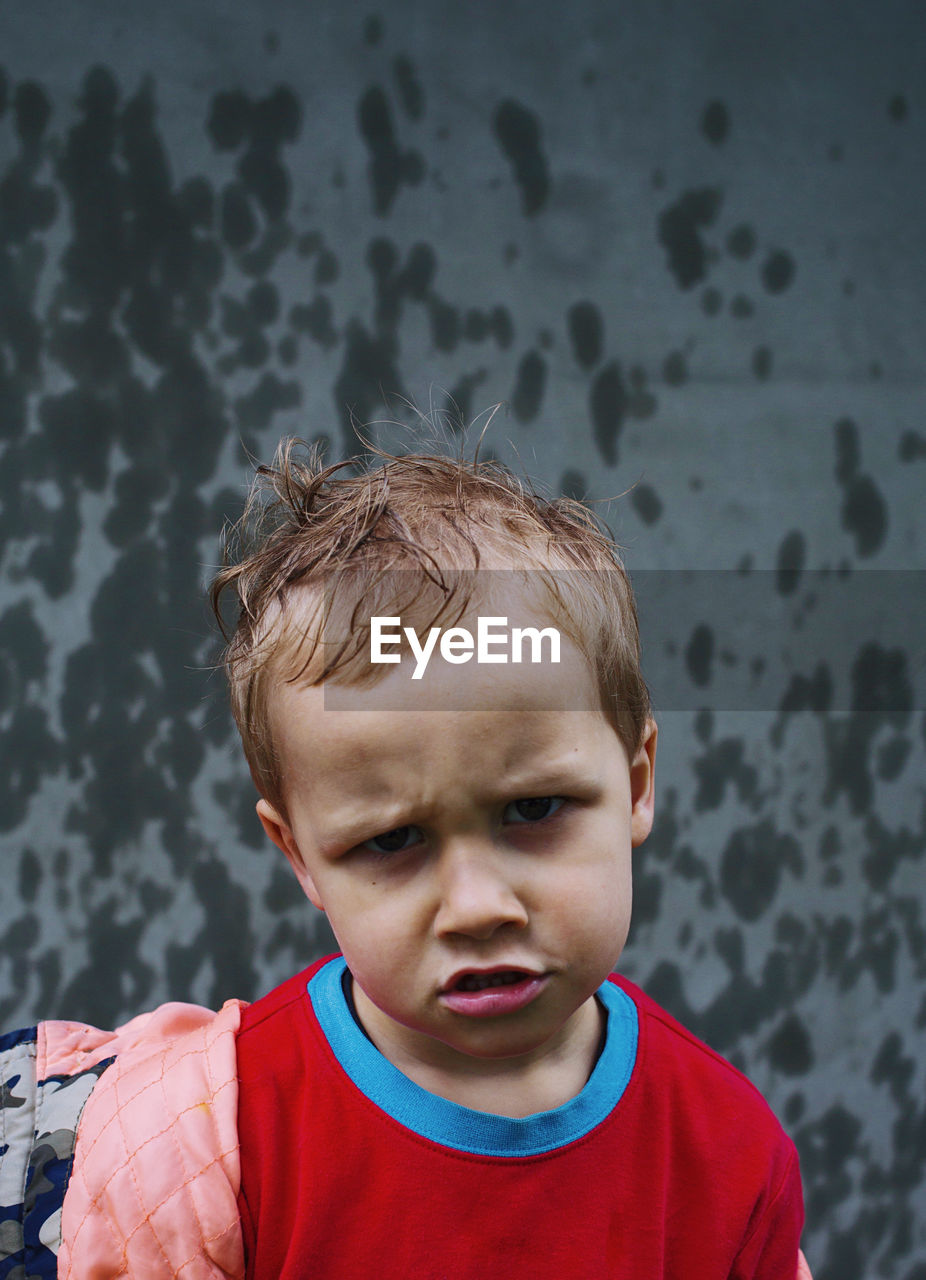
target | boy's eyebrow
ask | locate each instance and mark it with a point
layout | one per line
(568, 774)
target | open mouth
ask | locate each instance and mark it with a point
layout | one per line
(479, 981)
(496, 994)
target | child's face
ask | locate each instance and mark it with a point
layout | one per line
(474, 864)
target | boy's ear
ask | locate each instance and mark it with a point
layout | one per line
(280, 832)
(642, 786)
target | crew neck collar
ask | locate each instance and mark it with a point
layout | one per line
(448, 1123)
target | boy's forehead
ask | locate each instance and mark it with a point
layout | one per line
(538, 702)
(340, 786)
(349, 734)
(380, 754)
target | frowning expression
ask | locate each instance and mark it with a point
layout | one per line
(474, 863)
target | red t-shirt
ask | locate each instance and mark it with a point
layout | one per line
(667, 1164)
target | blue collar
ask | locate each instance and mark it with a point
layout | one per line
(451, 1125)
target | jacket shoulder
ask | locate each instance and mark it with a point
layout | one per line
(156, 1169)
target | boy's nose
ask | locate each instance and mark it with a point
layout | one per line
(475, 896)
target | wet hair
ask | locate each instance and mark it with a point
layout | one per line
(317, 553)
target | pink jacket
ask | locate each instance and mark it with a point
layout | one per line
(154, 1185)
(155, 1175)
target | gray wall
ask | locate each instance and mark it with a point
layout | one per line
(685, 244)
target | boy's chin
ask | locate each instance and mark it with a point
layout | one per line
(459, 1047)
(516, 1040)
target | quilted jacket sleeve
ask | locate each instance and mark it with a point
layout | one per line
(154, 1185)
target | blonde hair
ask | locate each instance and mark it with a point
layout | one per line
(305, 526)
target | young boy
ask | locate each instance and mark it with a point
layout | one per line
(436, 679)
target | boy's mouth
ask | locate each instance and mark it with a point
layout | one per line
(488, 993)
(479, 981)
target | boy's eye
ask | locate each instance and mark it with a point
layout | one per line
(537, 809)
(528, 812)
(395, 841)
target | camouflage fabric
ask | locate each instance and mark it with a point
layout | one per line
(38, 1131)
